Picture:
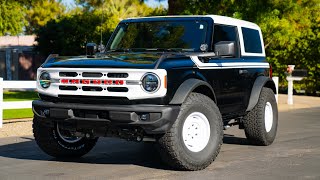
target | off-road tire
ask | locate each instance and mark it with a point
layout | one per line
(171, 146)
(254, 121)
(49, 141)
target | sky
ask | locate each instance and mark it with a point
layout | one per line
(151, 3)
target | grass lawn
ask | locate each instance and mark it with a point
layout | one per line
(17, 113)
(18, 96)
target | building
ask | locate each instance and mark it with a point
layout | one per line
(18, 60)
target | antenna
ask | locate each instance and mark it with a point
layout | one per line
(101, 45)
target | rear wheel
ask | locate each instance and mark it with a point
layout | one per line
(261, 123)
(60, 143)
(195, 138)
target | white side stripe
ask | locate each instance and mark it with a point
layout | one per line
(228, 65)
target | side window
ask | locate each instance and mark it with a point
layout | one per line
(252, 41)
(225, 33)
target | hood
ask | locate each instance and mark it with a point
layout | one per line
(114, 60)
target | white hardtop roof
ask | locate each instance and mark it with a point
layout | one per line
(216, 18)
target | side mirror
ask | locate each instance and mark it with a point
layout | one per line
(225, 48)
(91, 49)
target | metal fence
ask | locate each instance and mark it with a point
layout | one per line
(14, 104)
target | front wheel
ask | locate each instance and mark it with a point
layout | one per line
(261, 123)
(195, 138)
(60, 143)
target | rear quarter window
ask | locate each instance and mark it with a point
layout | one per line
(251, 40)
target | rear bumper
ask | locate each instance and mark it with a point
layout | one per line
(153, 119)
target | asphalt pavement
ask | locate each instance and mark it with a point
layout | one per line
(295, 154)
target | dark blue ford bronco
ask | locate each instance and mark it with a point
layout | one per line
(177, 81)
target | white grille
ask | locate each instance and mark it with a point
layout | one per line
(102, 82)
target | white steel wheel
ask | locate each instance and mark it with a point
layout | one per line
(196, 132)
(268, 116)
(67, 136)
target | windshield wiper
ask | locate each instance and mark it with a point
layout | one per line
(169, 49)
(120, 50)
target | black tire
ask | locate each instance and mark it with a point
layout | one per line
(51, 143)
(254, 122)
(171, 146)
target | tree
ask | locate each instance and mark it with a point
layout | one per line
(40, 12)
(290, 28)
(68, 35)
(116, 10)
(12, 18)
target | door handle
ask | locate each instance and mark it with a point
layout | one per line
(243, 71)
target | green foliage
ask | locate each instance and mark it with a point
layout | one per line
(291, 30)
(12, 18)
(40, 12)
(68, 35)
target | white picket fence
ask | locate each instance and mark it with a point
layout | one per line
(14, 104)
(32, 85)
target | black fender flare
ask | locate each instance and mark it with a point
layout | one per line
(189, 86)
(260, 82)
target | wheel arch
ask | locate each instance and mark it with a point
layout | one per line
(192, 85)
(260, 82)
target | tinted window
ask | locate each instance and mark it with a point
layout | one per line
(251, 39)
(164, 34)
(224, 33)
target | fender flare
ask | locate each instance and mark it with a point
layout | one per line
(260, 82)
(187, 87)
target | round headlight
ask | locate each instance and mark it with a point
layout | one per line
(150, 82)
(44, 80)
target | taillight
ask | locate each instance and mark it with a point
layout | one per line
(270, 71)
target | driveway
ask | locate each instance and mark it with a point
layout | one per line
(294, 155)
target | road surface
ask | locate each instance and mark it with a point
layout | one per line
(294, 155)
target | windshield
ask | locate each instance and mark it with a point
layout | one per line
(187, 35)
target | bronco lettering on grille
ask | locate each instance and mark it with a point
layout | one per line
(92, 81)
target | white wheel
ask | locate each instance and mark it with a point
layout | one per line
(268, 116)
(196, 132)
(194, 140)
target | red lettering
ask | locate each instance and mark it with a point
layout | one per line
(118, 82)
(96, 81)
(85, 81)
(75, 81)
(64, 81)
(92, 81)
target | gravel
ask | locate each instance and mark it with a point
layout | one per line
(18, 127)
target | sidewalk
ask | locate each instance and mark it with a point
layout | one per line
(299, 102)
(23, 127)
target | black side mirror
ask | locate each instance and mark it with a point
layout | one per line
(91, 49)
(225, 48)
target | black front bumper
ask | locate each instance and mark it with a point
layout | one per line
(153, 119)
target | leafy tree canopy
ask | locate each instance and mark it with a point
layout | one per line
(11, 20)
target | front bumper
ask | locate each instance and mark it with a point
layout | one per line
(153, 119)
